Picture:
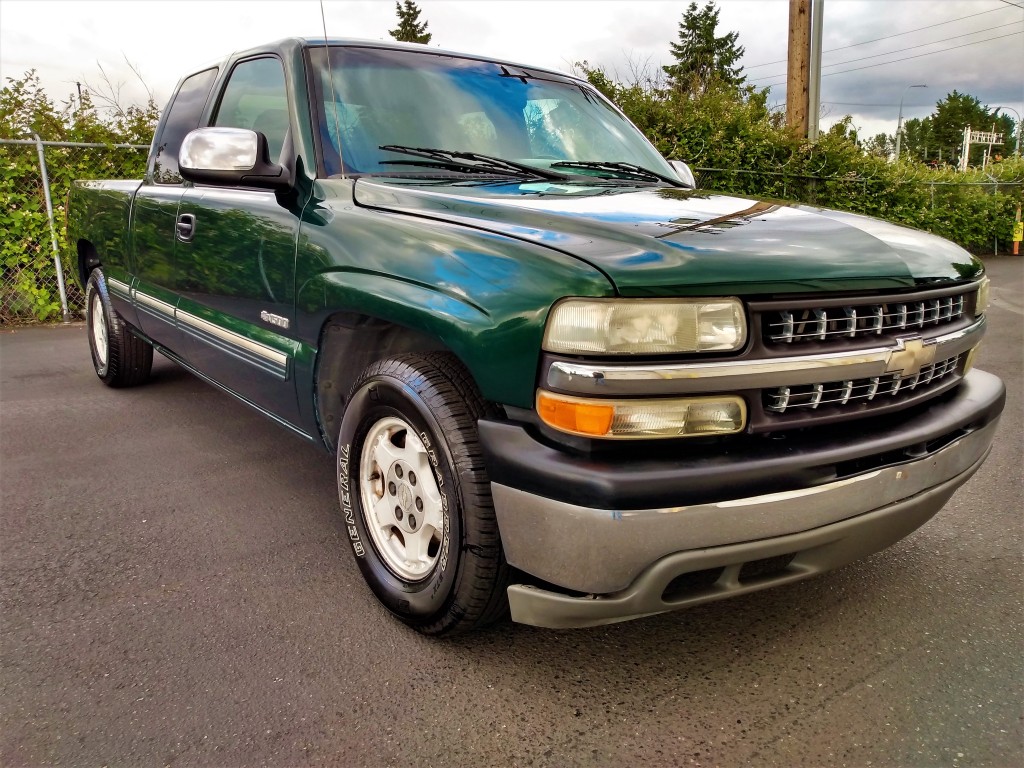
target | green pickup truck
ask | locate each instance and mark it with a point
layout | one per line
(559, 380)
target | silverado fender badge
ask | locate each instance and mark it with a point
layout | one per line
(280, 322)
(910, 356)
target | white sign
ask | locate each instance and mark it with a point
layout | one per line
(986, 137)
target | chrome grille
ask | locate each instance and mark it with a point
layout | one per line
(854, 391)
(861, 320)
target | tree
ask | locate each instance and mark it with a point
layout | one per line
(28, 283)
(25, 109)
(918, 142)
(959, 110)
(881, 145)
(940, 135)
(701, 56)
(410, 29)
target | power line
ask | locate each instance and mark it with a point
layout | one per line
(899, 50)
(861, 104)
(1012, 5)
(887, 37)
(905, 58)
(924, 45)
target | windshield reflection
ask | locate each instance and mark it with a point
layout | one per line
(423, 99)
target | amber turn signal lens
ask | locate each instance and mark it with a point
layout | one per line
(575, 416)
(643, 419)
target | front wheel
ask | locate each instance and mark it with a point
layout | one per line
(415, 495)
(120, 358)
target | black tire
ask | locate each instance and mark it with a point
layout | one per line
(128, 359)
(435, 395)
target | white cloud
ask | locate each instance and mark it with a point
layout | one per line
(67, 41)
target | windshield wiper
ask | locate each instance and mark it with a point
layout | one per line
(631, 169)
(471, 162)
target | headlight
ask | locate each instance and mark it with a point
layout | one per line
(981, 302)
(645, 326)
(640, 419)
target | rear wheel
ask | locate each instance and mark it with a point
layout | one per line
(415, 495)
(120, 358)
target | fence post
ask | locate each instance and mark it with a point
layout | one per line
(53, 230)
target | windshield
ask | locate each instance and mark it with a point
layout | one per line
(426, 100)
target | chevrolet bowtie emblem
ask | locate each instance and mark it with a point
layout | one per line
(909, 357)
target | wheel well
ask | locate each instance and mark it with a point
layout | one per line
(348, 343)
(88, 260)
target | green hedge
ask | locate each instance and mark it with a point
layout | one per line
(735, 143)
(28, 280)
(743, 147)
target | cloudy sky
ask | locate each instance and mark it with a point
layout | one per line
(873, 49)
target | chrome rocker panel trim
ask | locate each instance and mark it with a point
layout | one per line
(611, 380)
(161, 307)
(235, 339)
(121, 289)
(261, 356)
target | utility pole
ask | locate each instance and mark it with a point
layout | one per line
(798, 67)
(899, 122)
(814, 80)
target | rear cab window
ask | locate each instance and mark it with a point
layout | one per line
(182, 116)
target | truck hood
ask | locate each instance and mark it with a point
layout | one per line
(667, 241)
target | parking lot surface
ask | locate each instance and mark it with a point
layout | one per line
(176, 589)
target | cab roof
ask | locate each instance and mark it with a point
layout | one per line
(287, 43)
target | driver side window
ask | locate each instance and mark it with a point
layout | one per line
(256, 98)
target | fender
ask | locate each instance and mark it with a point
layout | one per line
(482, 295)
(505, 371)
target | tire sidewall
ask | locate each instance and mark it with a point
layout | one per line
(97, 286)
(424, 600)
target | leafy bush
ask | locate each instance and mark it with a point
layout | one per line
(736, 144)
(28, 281)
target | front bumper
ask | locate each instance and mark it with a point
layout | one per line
(730, 527)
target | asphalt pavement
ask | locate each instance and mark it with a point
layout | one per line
(176, 589)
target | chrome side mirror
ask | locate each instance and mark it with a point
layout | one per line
(230, 157)
(684, 173)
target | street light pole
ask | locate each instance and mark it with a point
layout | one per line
(899, 123)
(996, 111)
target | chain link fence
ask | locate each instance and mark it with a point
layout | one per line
(806, 188)
(37, 282)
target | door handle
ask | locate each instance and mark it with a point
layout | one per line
(185, 226)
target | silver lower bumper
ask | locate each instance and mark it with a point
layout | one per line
(630, 558)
